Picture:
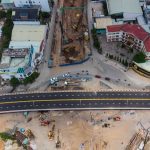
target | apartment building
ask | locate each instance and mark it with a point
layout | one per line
(44, 4)
(132, 36)
(25, 51)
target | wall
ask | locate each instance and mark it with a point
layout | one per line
(27, 22)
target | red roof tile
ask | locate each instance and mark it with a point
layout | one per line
(114, 28)
(147, 44)
(136, 30)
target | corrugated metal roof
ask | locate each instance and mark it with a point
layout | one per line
(28, 32)
(7, 1)
(102, 23)
(121, 6)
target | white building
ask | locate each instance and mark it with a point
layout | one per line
(16, 62)
(43, 3)
(31, 37)
(7, 4)
(20, 3)
(23, 36)
(135, 37)
(130, 9)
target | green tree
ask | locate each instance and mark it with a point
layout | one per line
(118, 58)
(126, 63)
(123, 62)
(2, 14)
(139, 57)
(31, 78)
(7, 30)
(111, 56)
(5, 136)
(100, 50)
(14, 82)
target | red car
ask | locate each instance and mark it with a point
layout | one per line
(97, 76)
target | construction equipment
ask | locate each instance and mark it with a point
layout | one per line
(58, 143)
(72, 3)
(29, 119)
(51, 133)
(135, 141)
(117, 118)
(45, 123)
(75, 26)
(29, 133)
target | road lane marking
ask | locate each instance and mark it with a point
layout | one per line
(72, 99)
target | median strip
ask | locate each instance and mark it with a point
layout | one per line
(68, 100)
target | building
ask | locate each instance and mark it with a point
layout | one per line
(16, 62)
(44, 4)
(31, 35)
(25, 51)
(127, 9)
(1, 26)
(132, 36)
(101, 24)
(147, 15)
(7, 4)
(25, 15)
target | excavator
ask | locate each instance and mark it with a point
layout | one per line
(72, 3)
(51, 133)
(76, 26)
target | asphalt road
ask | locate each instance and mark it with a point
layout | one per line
(74, 100)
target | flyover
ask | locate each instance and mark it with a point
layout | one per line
(78, 100)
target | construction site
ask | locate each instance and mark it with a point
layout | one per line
(71, 37)
(76, 130)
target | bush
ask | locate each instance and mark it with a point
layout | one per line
(126, 63)
(5, 136)
(139, 57)
(111, 56)
(43, 16)
(7, 30)
(31, 78)
(122, 46)
(14, 82)
(118, 58)
(100, 50)
(2, 14)
(96, 42)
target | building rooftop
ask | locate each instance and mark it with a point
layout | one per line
(147, 44)
(6, 1)
(121, 6)
(114, 28)
(25, 14)
(15, 58)
(135, 30)
(145, 66)
(26, 44)
(28, 32)
(102, 23)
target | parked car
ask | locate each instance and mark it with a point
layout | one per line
(106, 78)
(97, 76)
